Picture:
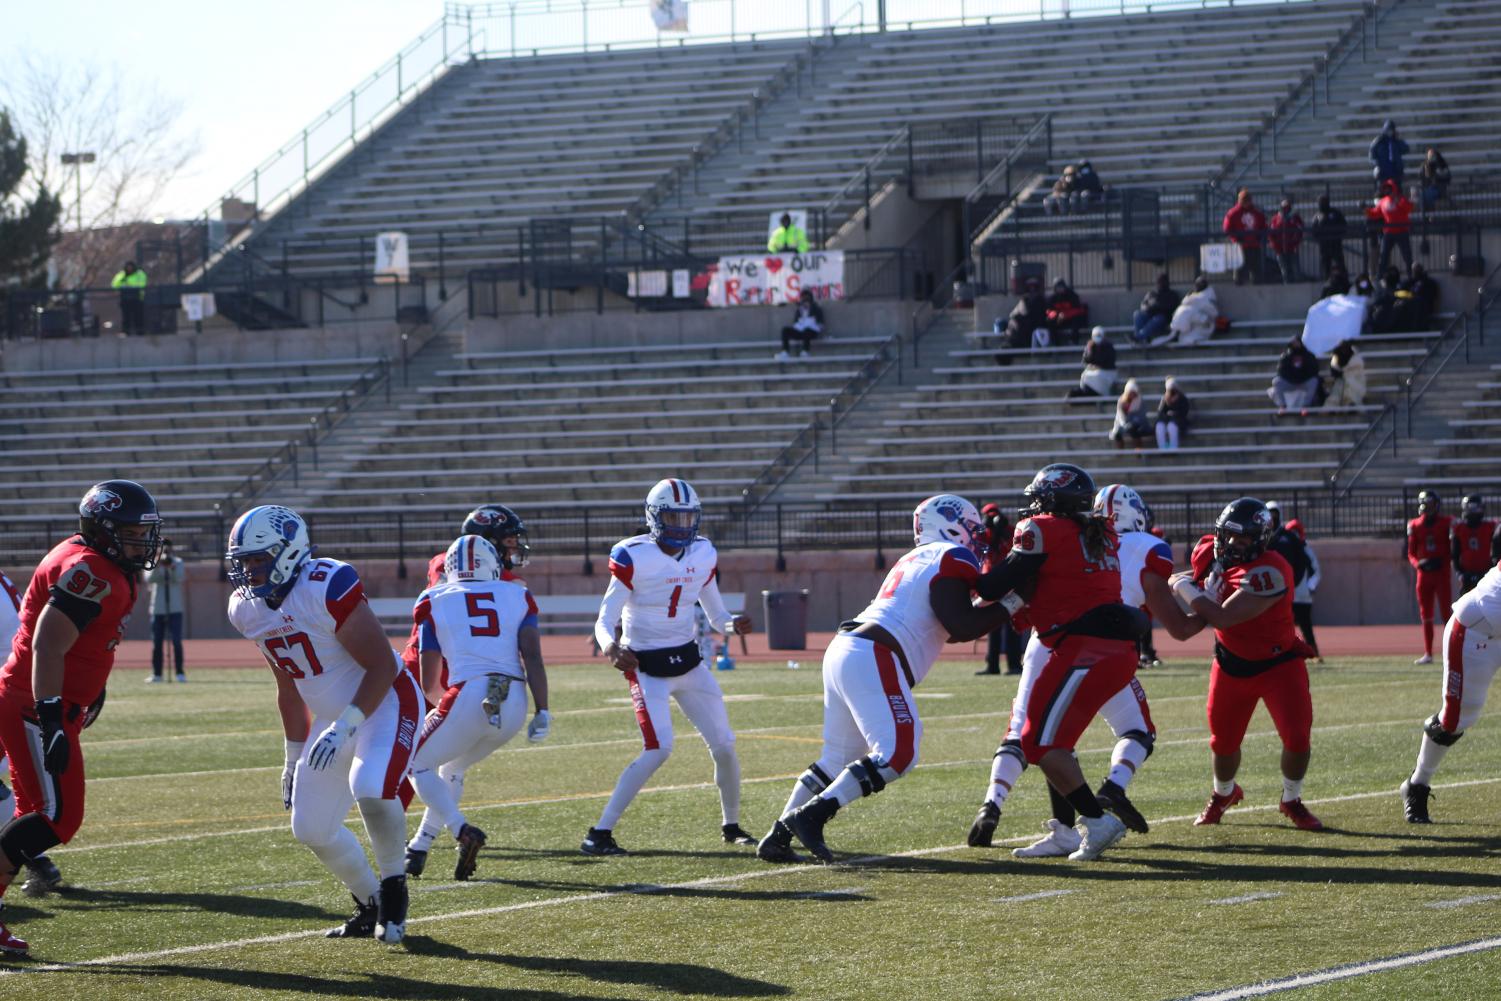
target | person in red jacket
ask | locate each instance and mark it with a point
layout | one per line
(72, 618)
(1394, 211)
(1245, 592)
(1286, 236)
(1428, 552)
(1246, 225)
(1470, 542)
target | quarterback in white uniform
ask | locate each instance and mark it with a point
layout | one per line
(871, 729)
(333, 663)
(1146, 564)
(1472, 653)
(486, 629)
(646, 629)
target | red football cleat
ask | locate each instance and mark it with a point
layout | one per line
(1294, 810)
(10, 945)
(1217, 805)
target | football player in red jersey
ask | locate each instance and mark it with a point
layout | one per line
(1007, 638)
(1063, 563)
(72, 618)
(1246, 593)
(1470, 542)
(1428, 552)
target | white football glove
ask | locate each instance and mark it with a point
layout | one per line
(1185, 588)
(540, 726)
(289, 771)
(332, 739)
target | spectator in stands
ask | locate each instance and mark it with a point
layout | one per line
(1066, 313)
(1386, 313)
(1026, 318)
(1338, 282)
(1195, 320)
(1436, 179)
(1245, 224)
(1156, 311)
(165, 584)
(1424, 299)
(1130, 417)
(1088, 190)
(1060, 201)
(131, 283)
(1362, 286)
(807, 323)
(1098, 377)
(787, 238)
(1296, 383)
(1386, 155)
(1303, 589)
(1328, 229)
(1286, 237)
(1394, 211)
(1172, 415)
(1347, 369)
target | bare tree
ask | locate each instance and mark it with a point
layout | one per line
(140, 149)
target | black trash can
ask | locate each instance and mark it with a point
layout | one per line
(786, 619)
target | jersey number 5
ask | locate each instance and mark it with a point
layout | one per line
(477, 610)
(280, 650)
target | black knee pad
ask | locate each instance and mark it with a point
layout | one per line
(1440, 736)
(815, 779)
(1142, 737)
(1014, 749)
(24, 838)
(868, 774)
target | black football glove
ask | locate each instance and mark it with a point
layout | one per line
(55, 748)
(1429, 564)
(95, 708)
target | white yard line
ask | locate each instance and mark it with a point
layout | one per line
(1039, 895)
(1246, 899)
(1479, 898)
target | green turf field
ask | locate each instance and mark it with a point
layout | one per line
(187, 882)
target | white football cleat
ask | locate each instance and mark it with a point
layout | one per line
(1097, 834)
(1059, 841)
(1427, 658)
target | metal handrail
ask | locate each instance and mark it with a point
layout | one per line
(1389, 408)
(1043, 125)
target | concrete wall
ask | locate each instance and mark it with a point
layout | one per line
(357, 340)
(1365, 582)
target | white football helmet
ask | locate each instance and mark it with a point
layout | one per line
(471, 557)
(950, 518)
(672, 513)
(269, 540)
(1122, 507)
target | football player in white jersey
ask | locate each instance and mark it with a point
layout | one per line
(486, 629)
(1472, 653)
(339, 682)
(646, 629)
(1146, 564)
(871, 729)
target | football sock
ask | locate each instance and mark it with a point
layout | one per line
(1005, 770)
(345, 858)
(437, 794)
(1063, 810)
(1429, 757)
(801, 793)
(727, 777)
(427, 832)
(1428, 638)
(1224, 787)
(845, 789)
(1124, 760)
(629, 784)
(1083, 801)
(386, 823)
(1291, 789)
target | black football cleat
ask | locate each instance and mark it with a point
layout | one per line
(416, 862)
(1415, 796)
(807, 823)
(1112, 798)
(777, 845)
(471, 839)
(601, 843)
(391, 919)
(983, 829)
(361, 923)
(734, 834)
(44, 879)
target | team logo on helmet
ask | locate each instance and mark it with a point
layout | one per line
(289, 529)
(1057, 477)
(100, 501)
(486, 516)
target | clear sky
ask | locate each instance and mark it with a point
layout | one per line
(249, 75)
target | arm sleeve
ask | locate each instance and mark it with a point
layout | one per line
(80, 611)
(530, 619)
(1412, 546)
(422, 617)
(344, 594)
(713, 604)
(80, 592)
(610, 610)
(1015, 570)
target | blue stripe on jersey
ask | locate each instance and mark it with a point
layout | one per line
(622, 556)
(530, 620)
(1162, 549)
(965, 555)
(344, 580)
(427, 637)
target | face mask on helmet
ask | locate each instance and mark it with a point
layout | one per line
(119, 519)
(504, 529)
(952, 519)
(1241, 532)
(1474, 511)
(471, 557)
(267, 546)
(673, 513)
(1428, 503)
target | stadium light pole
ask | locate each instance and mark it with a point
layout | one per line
(76, 161)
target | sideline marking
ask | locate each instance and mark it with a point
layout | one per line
(1463, 901)
(1246, 899)
(1039, 895)
(1345, 972)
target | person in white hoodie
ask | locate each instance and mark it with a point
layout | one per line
(1193, 321)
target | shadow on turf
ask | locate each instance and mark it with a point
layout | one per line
(215, 903)
(689, 892)
(361, 985)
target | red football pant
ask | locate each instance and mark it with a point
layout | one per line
(57, 798)
(1434, 585)
(1080, 676)
(1232, 700)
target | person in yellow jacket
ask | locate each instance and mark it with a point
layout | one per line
(131, 281)
(787, 238)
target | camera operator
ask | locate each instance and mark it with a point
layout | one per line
(165, 582)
